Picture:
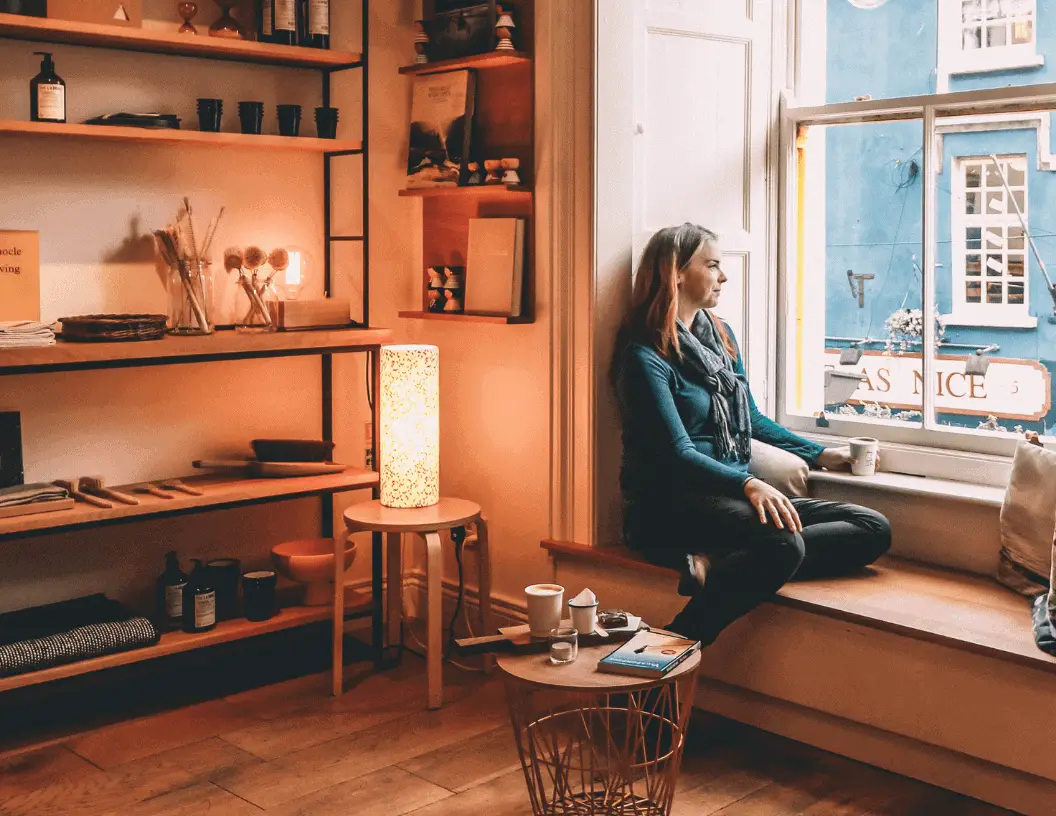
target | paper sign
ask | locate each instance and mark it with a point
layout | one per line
(995, 239)
(995, 205)
(19, 275)
(996, 265)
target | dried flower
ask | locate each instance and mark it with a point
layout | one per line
(255, 257)
(232, 259)
(279, 259)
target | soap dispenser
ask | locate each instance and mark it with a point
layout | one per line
(47, 93)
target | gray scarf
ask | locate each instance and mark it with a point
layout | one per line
(710, 365)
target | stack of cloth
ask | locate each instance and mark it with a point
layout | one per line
(26, 334)
(20, 495)
(69, 631)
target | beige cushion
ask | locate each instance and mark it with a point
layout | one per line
(1028, 521)
(779, 468)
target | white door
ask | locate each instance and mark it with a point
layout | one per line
(703, 107)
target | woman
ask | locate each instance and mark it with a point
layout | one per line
(688, 424)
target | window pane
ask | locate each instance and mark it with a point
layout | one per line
(916, 47)
(855, 299)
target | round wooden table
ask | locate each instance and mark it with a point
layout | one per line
(426, 522)
(598, 743)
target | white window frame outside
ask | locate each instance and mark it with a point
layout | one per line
(1008, 315)
(954, 59)
(958, 453)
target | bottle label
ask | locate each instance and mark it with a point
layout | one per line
(204, 610)
(51, 102)
(319, 17)
(285, 15)
(265, 23)
(174, 601)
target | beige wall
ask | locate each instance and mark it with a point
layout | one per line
(92, 204)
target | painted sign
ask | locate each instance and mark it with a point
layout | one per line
(1010, 389)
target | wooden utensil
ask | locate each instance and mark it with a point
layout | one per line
(73, 487)
(153, 490)
(271, 470)
(95, 486)
(176, 484)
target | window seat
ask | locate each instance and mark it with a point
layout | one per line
(915, 486)
(955, 609)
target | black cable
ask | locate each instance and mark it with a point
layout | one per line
(458, 536)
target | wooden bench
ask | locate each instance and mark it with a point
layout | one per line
(925, 671)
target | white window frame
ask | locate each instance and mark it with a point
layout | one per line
(983, 313)
(954, 59)
(965, 454)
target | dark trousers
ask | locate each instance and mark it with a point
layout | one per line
(751, 561)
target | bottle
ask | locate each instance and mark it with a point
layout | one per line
(47, 93)
(199, 601)
(317, 23)
(284, 27)
(171, 584)
(265, 21)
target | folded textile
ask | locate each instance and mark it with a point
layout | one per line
(26, 334)
(60, 616)
(31, 494)
(82, 643)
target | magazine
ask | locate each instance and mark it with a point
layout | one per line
(648, 654)
(441, 128)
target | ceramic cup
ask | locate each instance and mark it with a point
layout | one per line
(251, 115)
(544, 608)
(583, 617)
(863, 455)
(210, 114)
(258, 595)
(289, 120)
(326, 122)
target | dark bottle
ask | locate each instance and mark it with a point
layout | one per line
(265, 21)
(199, 601)
(285, 27)
(317, 23)
(47, 93)
(171, 584)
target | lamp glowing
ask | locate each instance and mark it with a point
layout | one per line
(409, 430)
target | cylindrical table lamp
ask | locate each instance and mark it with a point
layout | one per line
(409, 432)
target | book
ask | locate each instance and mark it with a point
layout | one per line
(495, 266)
(441, 129)
(648, 654)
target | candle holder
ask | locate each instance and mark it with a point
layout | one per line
(421, 43)
(227, 26)
(187, 12)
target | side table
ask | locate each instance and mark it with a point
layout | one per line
(597, 743)
(427, 522)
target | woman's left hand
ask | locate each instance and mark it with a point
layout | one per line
(835, 459)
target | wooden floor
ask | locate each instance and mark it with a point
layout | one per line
(291, 749)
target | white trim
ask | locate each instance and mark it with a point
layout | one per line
(954, 59)
(1040, 122)
(991, 319)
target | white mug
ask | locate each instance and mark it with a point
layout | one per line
(583, 617)
(544, 608)
(863, 455)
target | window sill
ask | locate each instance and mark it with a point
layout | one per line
(916, 486)
(1010, 64)
(996, 321)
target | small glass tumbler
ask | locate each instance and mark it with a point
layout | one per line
(564, 646)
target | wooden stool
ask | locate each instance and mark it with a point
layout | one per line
(427, 522)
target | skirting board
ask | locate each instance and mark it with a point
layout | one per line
(989, 782)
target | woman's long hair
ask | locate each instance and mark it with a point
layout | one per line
(654, 301)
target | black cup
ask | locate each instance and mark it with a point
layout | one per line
(223, 574)
(326, 122)
(289, 120)
(252, 116)
(210, 113)
(258, 595)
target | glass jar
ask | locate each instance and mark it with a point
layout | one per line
(256, 303)
(190, 298)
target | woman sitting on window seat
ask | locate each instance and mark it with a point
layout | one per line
(688, 424)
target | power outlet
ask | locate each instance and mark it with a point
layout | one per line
(11, 472)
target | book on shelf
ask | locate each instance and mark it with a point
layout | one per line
(495, 266)
(441, 129)
(648, 654)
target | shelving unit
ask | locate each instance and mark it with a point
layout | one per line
(503, 127)
(221, 492)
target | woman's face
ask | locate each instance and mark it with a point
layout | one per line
(700, 283)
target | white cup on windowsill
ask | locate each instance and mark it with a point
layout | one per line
(864, 450)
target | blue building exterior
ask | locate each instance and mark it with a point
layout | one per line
(873, 218)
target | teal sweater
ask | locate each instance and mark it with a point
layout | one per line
(668, 433)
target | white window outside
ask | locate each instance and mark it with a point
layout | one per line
(976, 36)
(990, 286)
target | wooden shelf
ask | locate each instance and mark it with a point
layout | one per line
(221, 492)
(177, 642)
(476, 190)
(116, 133)
(466, 318)
(66, 356)
(493, 59)
(36, 29)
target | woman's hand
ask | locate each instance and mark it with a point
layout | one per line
(769, 501)
(835, 459)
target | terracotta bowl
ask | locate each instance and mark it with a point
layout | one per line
(310, 562)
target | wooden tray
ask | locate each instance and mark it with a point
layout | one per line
(117, 327)
(35, 508)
